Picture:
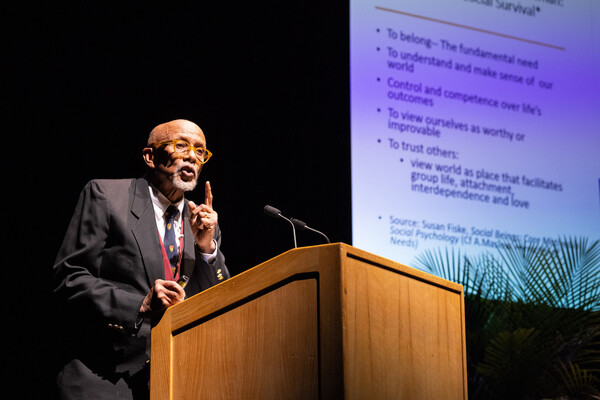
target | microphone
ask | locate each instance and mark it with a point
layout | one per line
(302, 226)
(275, 213)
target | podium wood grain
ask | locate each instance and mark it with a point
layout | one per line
(322, 322)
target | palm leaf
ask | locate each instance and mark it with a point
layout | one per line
(532, 317)
(576, 382)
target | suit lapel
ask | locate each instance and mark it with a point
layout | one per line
(188, 261)
(145, 232)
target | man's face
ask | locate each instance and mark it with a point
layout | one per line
(179, 171)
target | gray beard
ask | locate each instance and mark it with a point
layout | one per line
(183, 185)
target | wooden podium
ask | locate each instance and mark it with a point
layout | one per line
(322, 322)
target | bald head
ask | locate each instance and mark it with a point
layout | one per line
(170, 170)
(168, 130)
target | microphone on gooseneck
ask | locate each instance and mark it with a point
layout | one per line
(300, 225)
(275, 213)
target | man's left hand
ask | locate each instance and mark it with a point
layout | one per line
(203, 220)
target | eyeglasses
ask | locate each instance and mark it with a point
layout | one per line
(183, 147)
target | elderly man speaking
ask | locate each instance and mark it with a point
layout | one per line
(130, 248)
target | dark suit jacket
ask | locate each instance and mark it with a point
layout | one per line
(108, 262)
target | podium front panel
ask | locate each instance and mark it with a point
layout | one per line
(263, 349)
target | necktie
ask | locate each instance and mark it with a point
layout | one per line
(169, 240)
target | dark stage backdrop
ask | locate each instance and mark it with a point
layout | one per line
(86, 82)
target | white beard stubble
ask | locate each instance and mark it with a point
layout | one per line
(181, 184)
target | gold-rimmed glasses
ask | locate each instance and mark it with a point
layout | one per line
(183, 147)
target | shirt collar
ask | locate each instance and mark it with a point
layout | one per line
(161, 202)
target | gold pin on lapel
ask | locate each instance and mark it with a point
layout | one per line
(183, 281)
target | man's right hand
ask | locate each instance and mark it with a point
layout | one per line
(164, 294)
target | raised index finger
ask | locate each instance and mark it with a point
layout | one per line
(208, 197)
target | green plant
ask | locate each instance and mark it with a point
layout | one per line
(532, 316)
